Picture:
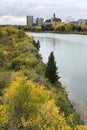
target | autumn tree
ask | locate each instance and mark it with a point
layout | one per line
(22, 99)
(51, 69)
(63, 28)
(84, 28)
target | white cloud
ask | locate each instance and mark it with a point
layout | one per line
(13, 20)
(16, 10)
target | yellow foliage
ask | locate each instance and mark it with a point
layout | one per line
(7, 53)
(11, 30)
(63, 27)
(80, 127)
(3, 31)
(49, 118)
(13, 38)
(37, 27)
(29, 106)
(3, 116)
(84, 28)
(23, 99)
(26, 93)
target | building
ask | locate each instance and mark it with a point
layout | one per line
(29, 20)
(55, 21)
(74, 23)
(81, 22)
(51, 23)
(86, 21)
(39, 21)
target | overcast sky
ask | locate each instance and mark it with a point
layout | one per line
(15, 11)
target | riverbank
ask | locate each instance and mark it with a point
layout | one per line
(80, 33)
(60, 29)
(22, 69)
(58, 32)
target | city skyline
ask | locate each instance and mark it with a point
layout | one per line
(14, 12)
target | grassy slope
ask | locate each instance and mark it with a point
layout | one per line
(18, 57)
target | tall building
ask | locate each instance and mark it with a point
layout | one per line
(81, 22)
(39, 21)
(29, 20)
(55, 21)
(54, 16)
(86, 21)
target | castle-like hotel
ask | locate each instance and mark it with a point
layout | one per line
(52, 22)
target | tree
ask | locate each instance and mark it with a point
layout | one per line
(50, 118)
(63, 28)
(21, 100)
(51, 69)
(36, 44)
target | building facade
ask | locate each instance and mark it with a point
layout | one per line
(81, 22)
(55, 21)
(52, 22)
(74, 23)
(29, 20)
(39, 21)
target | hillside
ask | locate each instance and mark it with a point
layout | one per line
(28, 101)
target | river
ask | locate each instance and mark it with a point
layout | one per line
(70, 51)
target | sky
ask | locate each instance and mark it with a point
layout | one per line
(15, 11)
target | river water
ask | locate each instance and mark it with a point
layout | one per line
(70, 51)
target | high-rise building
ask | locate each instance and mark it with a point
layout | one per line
(29, 20)
(81, 22)
(39, 21)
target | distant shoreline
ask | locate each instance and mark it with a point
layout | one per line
(79, 33)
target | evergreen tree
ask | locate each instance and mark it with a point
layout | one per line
(51, 69)
(36, 44)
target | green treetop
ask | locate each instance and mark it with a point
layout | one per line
(51, 69)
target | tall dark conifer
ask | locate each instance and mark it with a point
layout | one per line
(51, 69)
(36, 44)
